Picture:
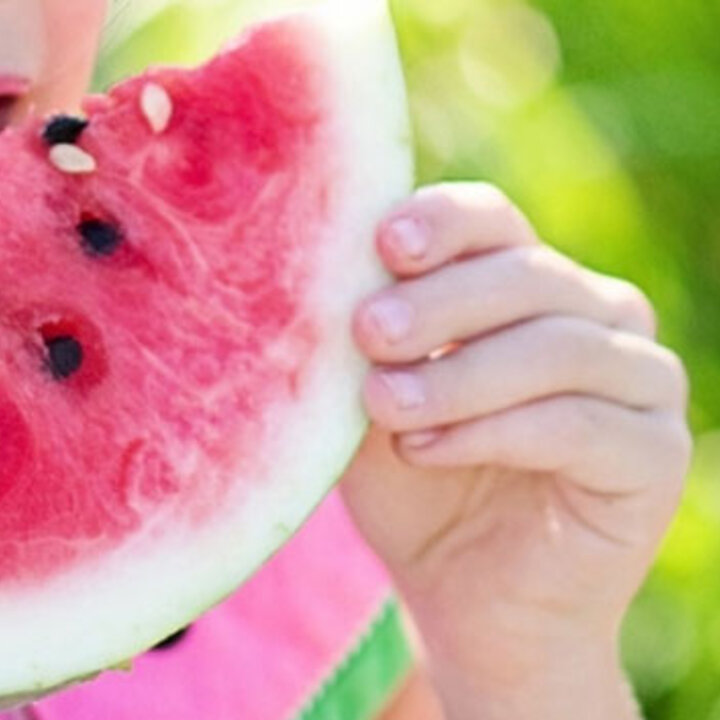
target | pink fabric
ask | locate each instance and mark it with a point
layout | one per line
(261, 654)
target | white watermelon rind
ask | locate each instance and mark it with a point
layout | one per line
(93, 620)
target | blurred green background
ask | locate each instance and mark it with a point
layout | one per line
(602, 119)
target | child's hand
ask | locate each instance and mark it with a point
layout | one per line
(518, 487)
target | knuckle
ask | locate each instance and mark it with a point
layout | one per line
(540, 266)
(677, 381)
(512, 270)
(439, 198)
(685, 446)
(486, 196)
(434, 205)
(471, 199)
(493, 197)
(677, 443)
(531, 260)
(670, 378)
(456, 196)
(505, 211)
(467, 195)
(547, 258)
(684, 443)
(633, 305)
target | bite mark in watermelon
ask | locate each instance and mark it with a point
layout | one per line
(178, 384)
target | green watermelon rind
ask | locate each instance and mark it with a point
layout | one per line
(69, 635)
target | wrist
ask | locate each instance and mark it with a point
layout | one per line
(525, 668)
(564, 683)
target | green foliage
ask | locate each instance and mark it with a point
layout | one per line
(602, 119)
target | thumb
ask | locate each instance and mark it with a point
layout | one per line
(395, 506)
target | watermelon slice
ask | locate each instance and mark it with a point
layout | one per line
(178, 384)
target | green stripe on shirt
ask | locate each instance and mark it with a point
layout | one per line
(367, 679)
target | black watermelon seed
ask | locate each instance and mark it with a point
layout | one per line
(171, 641)
(65, 356)
(99, 237)
(64, 129)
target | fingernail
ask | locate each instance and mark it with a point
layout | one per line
(409, 238)
(421, 439)
(392, 317)
(407, 389)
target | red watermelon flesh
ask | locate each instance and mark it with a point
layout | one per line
(178, 386)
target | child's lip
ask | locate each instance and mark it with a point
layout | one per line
(13, 85)
(12, 88)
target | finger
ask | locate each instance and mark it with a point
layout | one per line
(443, 222)
(475, 297)
(538, 359)
(602, 446)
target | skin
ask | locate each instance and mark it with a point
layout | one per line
(39, 40)
(518, 484)
(517, 487)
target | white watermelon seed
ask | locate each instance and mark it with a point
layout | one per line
(72, 160)
(156, 106)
